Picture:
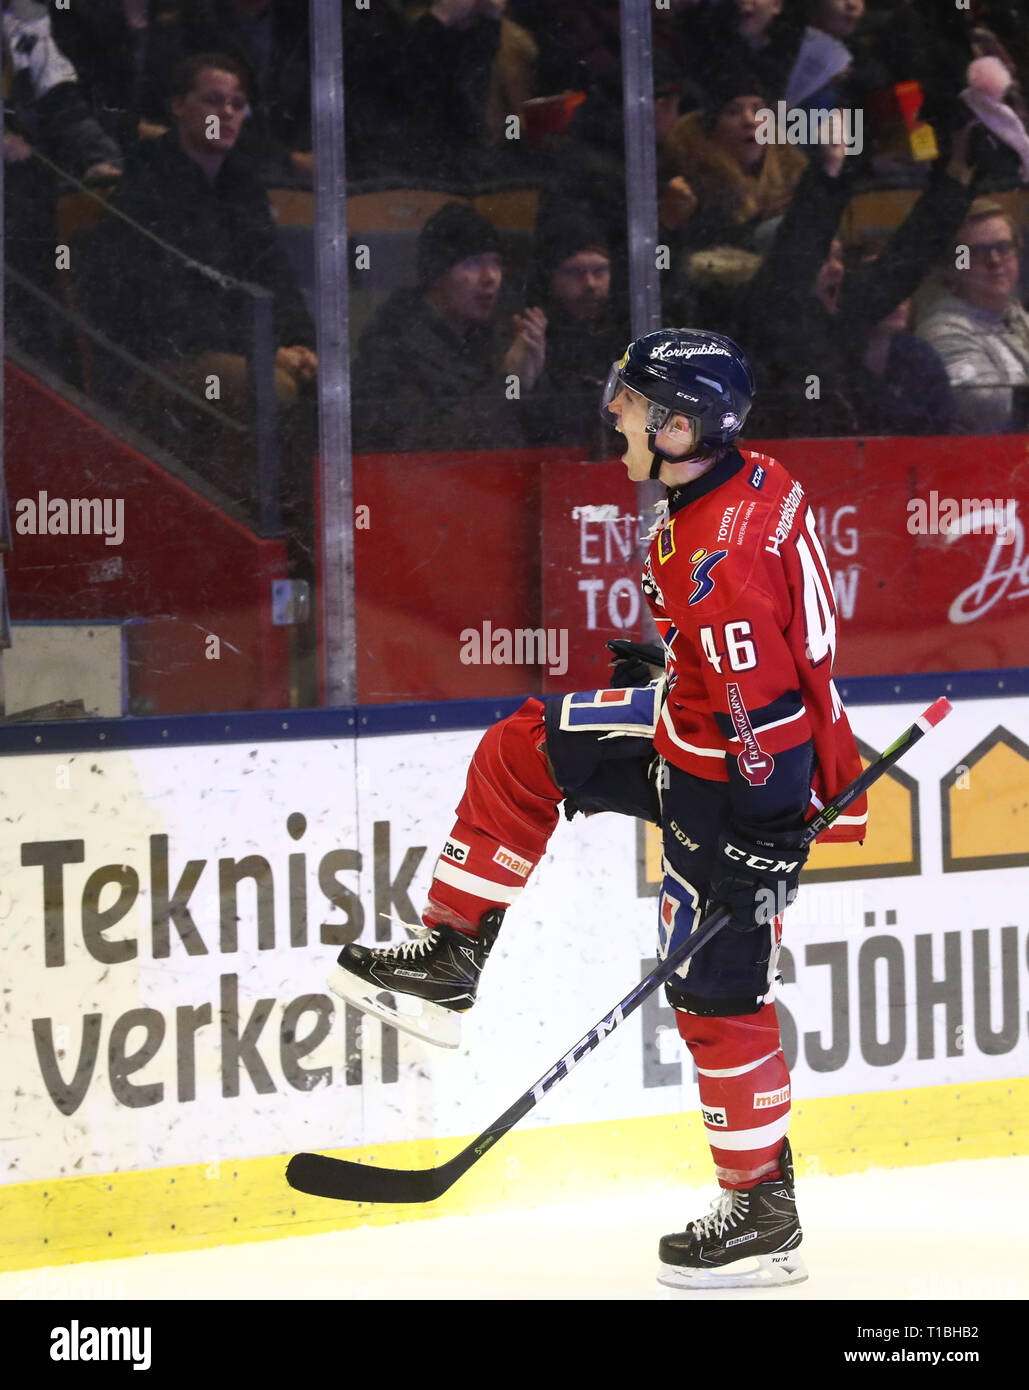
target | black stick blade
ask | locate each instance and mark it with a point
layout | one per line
(344, 1181)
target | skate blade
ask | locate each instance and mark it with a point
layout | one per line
(755, 1272)
(429, 1023)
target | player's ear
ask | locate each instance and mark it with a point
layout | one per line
(677, 435)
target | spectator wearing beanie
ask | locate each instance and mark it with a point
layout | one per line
(738, 183)
(432, 368)
(587, 325)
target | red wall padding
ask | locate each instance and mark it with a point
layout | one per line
(183, 566)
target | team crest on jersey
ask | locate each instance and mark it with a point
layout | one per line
(666, 542)
(703, 562)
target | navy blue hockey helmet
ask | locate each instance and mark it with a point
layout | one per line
(687, 371)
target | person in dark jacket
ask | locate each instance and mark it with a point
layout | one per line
(899, 385)
(587, 325)
(438, 366)
(187, 226)
(809, 320)
(167, 296)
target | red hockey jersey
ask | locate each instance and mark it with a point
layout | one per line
(742, 598)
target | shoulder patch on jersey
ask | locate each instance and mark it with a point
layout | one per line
(666, 542)
(703, 563)
(757, 477)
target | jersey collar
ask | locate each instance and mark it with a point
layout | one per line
(726, 467)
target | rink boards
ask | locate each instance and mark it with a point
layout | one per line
(170, 915)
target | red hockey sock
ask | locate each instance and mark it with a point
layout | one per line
(504, 821)
(744, 1092)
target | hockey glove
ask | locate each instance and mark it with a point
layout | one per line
(755, 875)
(633, 663)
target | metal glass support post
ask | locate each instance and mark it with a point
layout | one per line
(641, 205)
(338, 634)
(640, 165)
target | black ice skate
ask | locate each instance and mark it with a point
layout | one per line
(749, 1239)
(436, 977)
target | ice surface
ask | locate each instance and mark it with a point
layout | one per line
(949, 1231)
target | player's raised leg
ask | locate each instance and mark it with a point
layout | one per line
(593, 750)
(504, 820)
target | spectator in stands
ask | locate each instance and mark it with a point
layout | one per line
(840, 18)
(579, 44)
(47, 122)
(810, 320)
(739, 183)
(46, 99)
(588, 159)
(269, 39)
(980, 329)
(190, 191)
(899, 384)
(437, 367)
(759, 34)
(124, 52)
(587, 326)
(835, 65)
(376, 124)
(468, 69)
(160, 291)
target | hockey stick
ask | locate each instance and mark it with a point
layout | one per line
(321, 1176)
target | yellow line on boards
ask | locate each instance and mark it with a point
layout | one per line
(196, 1206)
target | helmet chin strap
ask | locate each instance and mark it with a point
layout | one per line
(661, 457)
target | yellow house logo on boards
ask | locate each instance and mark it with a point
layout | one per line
(984, 806)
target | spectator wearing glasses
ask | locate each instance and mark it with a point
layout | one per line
(979, 328)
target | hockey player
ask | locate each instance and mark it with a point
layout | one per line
(741, 739)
